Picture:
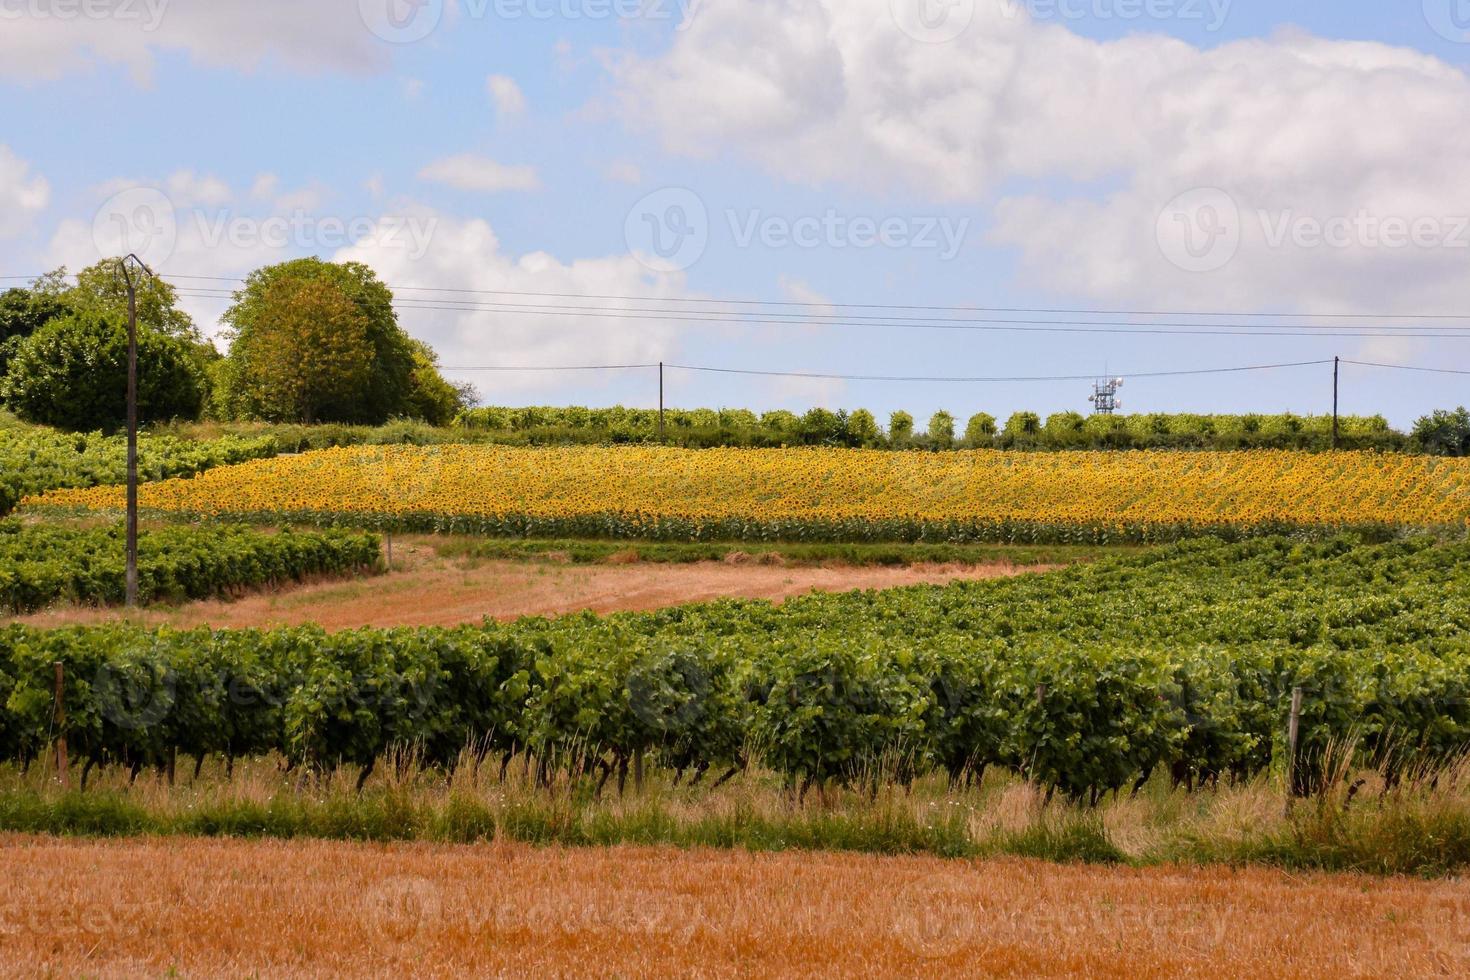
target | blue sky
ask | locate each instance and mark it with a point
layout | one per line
(1021, 155)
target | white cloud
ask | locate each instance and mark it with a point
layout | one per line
(238, 34)
(188, 189)
(409, 245)
(625, 172)
(413, 88)
(1291, 125)
(467, 255)
(23, 194)
(471, 172)
(506, 94)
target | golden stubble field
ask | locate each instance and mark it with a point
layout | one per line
(237, 908)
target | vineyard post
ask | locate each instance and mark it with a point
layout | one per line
(1293, 730)
(58, 719)
(1336, 372)
(131, 587)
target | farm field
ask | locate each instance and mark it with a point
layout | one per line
(309, 909)
(430, 588)
(817, 494)
(1058, 678)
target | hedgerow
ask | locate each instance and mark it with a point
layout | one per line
(41, 564)
(1088, 680)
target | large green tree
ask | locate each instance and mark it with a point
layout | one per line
(72, 373)
(432, 398)
(102, 288)
(315, 341)
(23, 311)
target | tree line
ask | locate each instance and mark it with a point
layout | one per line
(308, 341)
(1445, 433)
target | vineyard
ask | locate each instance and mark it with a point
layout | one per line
(34, 460)
(1179, 661)
(41, 565)
(818, 494)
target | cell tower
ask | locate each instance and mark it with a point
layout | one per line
(1104, 396)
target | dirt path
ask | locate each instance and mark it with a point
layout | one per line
(303, 909)
(427, 590)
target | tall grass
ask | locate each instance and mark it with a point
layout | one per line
(1420, 826)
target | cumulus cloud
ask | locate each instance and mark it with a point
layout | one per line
(206, 249)
(23, 193)
(1292, 129)
(486, 329)
(471, 172)
(506, 94)
(38, 42)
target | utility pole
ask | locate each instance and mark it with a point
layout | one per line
(132, 533)
(1336, 370)
(660, 399)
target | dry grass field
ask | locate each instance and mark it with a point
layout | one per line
(238, 908)
(426, 589)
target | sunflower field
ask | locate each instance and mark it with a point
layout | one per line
(816, 494)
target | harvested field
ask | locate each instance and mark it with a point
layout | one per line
(214, 908)
(428, 590)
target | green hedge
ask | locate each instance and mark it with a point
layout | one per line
(44, 564)
(1086, 680)
(34, 460)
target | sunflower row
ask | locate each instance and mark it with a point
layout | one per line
(819, 494)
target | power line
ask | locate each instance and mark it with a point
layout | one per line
(1039, 311)
(920, 323)
(751, 372)
(1404, 367)
(561, 367)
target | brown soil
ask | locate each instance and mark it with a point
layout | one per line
(426, 590)
(303, 909)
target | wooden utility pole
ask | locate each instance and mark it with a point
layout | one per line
(1336, 371)
(660, 399)
(132, 520)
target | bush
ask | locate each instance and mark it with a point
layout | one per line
(1444, 433)
(980, 431)
(72, 373)
(941, 430)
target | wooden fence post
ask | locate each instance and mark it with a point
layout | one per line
(1293, 731)
(58, 719)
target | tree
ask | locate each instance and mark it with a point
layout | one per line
(820, 427)
(1022, 429)
(900, 429)
(313, 341)
(22, 313)
(980, 431)
(1444, 433)
(102, 288)
(309, 359)
(941, 430)
(431, 398)
(72, 373)
(863, 428)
